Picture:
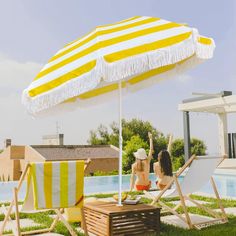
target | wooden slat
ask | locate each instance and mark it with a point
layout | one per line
(92, 228)
(122, 220)
(96, 215)
(98, 224)
(94, 218)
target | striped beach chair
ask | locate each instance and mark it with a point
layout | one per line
(50, 185)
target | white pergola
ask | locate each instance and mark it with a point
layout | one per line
(218, 104)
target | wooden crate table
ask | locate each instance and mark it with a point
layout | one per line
(108, 219)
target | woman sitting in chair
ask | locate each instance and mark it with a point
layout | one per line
(141, 168)
(163, 169)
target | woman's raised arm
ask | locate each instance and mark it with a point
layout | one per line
(151, 150)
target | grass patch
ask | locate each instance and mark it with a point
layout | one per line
(44, 219)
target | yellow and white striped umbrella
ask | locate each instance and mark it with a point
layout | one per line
(139, 51)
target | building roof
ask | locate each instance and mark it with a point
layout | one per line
(76, 152)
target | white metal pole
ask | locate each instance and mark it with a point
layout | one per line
(120, 144)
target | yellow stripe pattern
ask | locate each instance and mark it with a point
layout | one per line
(35, 185)
(51, 182)
(98, 55)
(79, 183)
(48, 174)
(64, 184)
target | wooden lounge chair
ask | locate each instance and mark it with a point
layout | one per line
(70, 177)
(199, 170)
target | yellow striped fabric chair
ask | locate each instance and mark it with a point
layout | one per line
(50, 185)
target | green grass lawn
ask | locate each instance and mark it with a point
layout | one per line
(223, 229)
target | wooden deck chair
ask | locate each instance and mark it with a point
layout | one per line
(50, 185)
(199, 171)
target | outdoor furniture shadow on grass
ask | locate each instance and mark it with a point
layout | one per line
(199, 173)
(42, 194)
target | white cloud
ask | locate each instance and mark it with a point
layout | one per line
(15, 76)
(184, 78)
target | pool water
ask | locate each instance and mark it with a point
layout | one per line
(101, 184)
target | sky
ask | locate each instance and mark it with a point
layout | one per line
(32, 31)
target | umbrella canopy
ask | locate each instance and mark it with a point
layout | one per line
(138, 51)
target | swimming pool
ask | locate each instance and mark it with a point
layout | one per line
(100, 184)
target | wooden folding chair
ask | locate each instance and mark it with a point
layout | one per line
(59, 216)
(196, 172)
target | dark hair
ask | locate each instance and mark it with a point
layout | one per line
(165, 163)
(140, 165)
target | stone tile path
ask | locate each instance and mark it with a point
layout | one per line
(229, 210)
(13, 209)
(174, 220)
(189, 203)
(24, 223)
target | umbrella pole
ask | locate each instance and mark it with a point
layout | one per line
(120, 144)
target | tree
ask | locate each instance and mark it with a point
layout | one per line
(130, 129)
(198, 147)
(100, 136)
(177, 151)
(135, 136)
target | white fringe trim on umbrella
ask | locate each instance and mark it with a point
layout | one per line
(121, 70)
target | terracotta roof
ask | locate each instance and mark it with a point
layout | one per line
(76, 152)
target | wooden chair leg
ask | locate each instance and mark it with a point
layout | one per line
(15, 192)
(8, 218)
(218, 198)
(83, 222)
(72, 232)
(53, 225)
(183, 203)
(7, 215)
(177, 207)
(18, 231)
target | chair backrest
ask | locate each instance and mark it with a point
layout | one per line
(198, 174)
(55, 184)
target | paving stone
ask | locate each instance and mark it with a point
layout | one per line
(24, 223)
(13, 209)
(228, 210)
(176, 221)
(80, 230)
(189, 203)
